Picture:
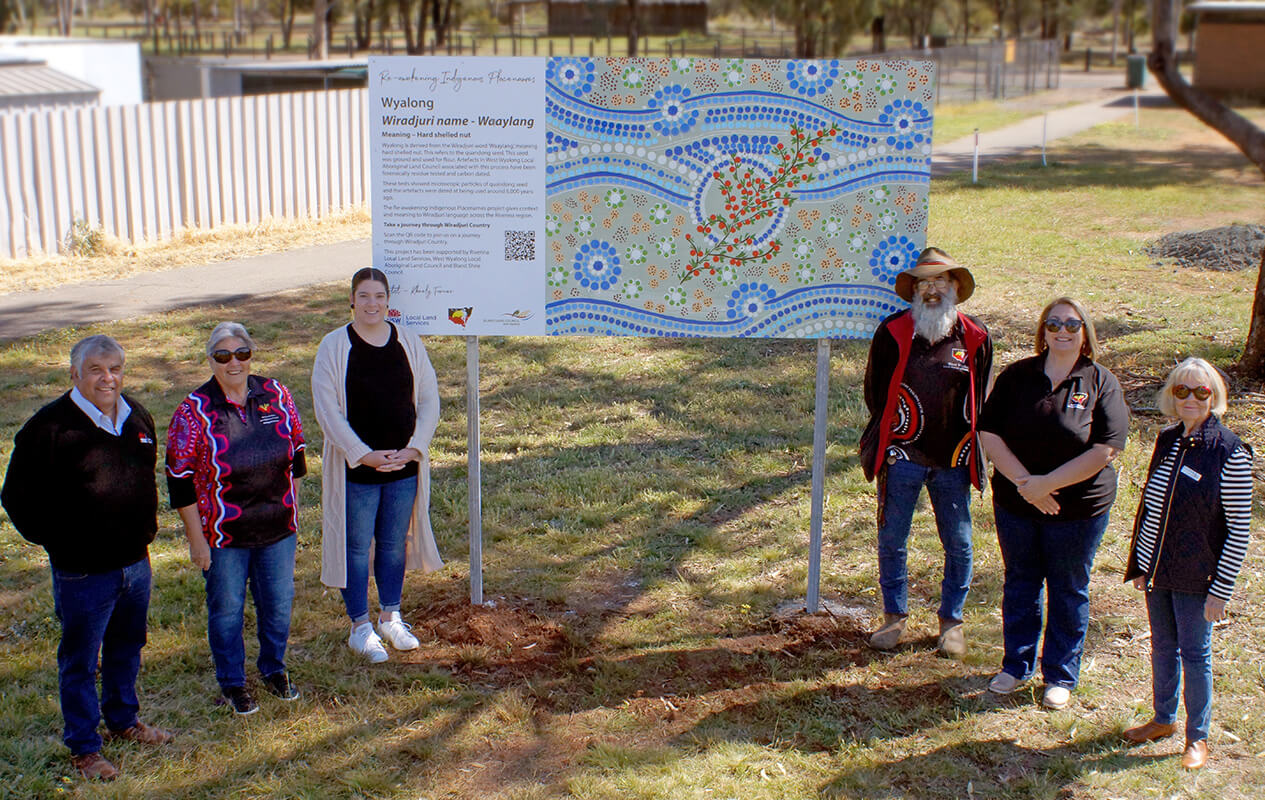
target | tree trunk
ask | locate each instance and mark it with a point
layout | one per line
(443, 22)
(423, 9)
(65, 16)
(320, 18)
(287, 25)
(634, 33)
(1247, 137)
(1253, 361)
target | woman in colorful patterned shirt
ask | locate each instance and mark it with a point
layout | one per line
(1189, 540)
(234, 457)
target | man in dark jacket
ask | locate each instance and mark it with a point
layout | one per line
(928, 372)
(80, 484)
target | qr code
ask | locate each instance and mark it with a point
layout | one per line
(520, 245)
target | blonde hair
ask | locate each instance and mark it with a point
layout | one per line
(1089, 344)
(1206, 374)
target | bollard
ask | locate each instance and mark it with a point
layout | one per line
(1045, 123)
(1089, 57)
(975, 160)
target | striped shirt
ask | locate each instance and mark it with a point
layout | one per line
(1236, 504)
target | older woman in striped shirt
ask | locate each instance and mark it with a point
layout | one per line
(1189, 540)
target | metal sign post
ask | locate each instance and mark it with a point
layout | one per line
(819, 475)
(473, 476)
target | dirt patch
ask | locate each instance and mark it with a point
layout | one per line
(1233, 247)
(562, 652)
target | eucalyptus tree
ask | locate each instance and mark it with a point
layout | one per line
(1242, 133)
(822, 27)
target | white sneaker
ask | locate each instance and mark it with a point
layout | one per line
(1056, 697)
(365, 642)
(1004, 683)
(396, 631)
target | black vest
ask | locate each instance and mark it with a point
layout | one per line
(1192, 525)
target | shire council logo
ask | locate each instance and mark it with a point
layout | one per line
(460, 316)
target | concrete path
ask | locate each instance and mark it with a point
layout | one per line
(28, 313)
(1024, 138)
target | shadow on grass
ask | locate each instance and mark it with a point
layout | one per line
(988, 768)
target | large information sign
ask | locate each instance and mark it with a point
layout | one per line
(649, 197)
(459, 191)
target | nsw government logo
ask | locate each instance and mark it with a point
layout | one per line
(393, 313)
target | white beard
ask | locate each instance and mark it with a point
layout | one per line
(935, 322)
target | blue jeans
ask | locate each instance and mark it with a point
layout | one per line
(270, 572)
(378, 517)
(102, 615)
(1053, 558)
(1181, 646)
(949, 490)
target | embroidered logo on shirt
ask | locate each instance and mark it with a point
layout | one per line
(144, 439)
(266, 414)
(957, 360)
(1078, 400)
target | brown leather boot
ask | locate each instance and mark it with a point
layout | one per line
(142, 734)
(1149, 732)
(93, 766)
(952, 641)
(888, 636)
(1196, 754)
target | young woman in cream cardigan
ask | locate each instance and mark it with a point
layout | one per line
(377, 401)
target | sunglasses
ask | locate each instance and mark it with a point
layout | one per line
(1181, 392)
(225, 356)
(1052, 324)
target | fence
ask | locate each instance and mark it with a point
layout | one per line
(144, 172)
(992, 71)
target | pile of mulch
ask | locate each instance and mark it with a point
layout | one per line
(1233, 247)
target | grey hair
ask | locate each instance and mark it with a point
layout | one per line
(91, 347)
(228, 330)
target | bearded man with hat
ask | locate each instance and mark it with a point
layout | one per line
(929, 369)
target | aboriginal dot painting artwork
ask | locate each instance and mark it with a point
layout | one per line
(733, 198)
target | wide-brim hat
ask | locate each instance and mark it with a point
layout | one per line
(932, 262)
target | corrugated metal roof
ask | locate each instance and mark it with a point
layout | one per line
(1238, 7)
(20, 80)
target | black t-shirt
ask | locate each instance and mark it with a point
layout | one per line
(1047, 427)
(933, 414)
(380, 407)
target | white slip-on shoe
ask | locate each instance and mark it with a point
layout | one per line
(1056, 697)
(396, 631)
(1004, 683)
(365, 642)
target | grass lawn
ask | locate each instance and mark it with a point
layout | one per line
(646, 508)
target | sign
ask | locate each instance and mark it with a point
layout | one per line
(649, 197)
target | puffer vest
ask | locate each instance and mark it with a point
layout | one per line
(1192, 527)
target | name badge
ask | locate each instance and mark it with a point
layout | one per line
(1190, 473)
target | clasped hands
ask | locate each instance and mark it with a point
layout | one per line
(390, 460)
(1038, 491)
